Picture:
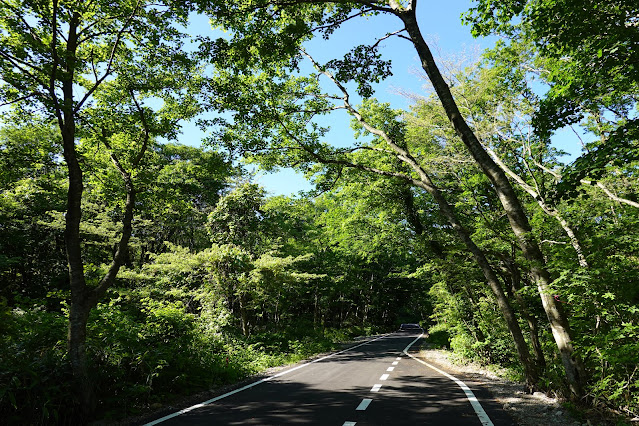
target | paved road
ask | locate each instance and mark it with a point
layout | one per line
(375, 383)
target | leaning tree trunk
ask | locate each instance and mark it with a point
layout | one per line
(530, 370)
(547, 208)
(426, 183)
(516, 216)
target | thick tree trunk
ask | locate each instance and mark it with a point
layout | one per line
(83, 387)
(79, 304)
(510, 202)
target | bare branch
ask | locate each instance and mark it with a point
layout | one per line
(340, 21)
(116, 44)
(600, 185)
(611, 194)
(549, 210)
(369, 148)
(388, 35)
(553, 242)
(145, 125)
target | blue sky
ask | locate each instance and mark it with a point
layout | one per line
(441, 25)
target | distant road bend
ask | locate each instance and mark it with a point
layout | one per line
(378, 382)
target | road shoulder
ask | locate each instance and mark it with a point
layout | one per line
(526, 410)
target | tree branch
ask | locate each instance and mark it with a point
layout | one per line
(116, 44)
(54, 64)
(388, 35)
(401, 153)
(21, 98)
(549, 210)
(340, 21)
(145, 125)
(600, 185)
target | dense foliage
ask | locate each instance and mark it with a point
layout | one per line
(143, 269)
(194, 307)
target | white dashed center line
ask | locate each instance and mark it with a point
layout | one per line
(395, 362)
(398, 359)
(390, 368)
(376, 388)
(384, 377)
(364, 404)
(349, 423)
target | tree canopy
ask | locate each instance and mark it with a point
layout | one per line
(135, 267)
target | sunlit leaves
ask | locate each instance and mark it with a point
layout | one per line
(589, 50)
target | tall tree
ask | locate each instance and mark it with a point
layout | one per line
(88, 66)
(298, 21)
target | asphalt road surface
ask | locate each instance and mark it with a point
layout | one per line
(378, 382)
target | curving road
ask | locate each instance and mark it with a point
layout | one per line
(378, 382)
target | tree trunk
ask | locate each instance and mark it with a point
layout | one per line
(83, 387)
(243, 316)
(474, 327)
(79, 304)
(83, 298)
(515, 286)
(493, 282)
(426, 183)
(315, 309)
(548, 209)
(510, 202)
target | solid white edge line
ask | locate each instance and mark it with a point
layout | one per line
(250, 385)
(479, 410)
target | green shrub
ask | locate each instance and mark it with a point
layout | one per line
(34, 376)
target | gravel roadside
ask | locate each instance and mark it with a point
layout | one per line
(527, 410)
